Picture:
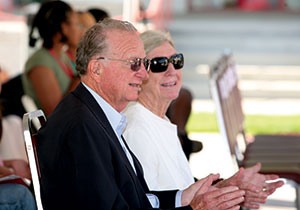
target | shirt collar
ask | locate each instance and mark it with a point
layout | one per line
(116, 119)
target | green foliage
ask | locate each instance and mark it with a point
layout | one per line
(202, 122)
(255, 124)
(266, 124)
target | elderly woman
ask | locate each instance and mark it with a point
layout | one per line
(153, 138)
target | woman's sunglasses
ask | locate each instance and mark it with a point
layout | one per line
(160, 64)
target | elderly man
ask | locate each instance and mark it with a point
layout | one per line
(84, 162)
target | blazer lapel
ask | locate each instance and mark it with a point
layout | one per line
(140, 172)
(137, 164)
(85, 96)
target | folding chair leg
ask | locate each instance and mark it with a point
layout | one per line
(297, 188)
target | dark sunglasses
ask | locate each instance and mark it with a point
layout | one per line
(135, 63)
(160, 64)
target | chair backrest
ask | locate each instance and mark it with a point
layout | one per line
(226, 94)
(30, 106)
(30, 143)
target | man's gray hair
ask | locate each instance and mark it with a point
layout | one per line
(152, 39)
(93, 42)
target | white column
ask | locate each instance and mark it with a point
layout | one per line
(130, 10)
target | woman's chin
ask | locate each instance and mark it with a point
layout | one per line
(171, 97)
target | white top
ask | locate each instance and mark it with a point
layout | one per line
(155, 142)
(12, 144)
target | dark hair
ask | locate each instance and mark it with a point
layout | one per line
(48, 22)
(98, 14)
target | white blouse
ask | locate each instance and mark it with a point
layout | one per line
(155, 143)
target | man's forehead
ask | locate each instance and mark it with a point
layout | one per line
(119, 35)
(125, 42)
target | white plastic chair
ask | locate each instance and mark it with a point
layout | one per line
(30, 144)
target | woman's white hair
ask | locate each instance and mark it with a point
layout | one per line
(153, 38)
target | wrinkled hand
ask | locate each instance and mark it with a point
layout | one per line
(254, 184)
(189, 193)
(206, 197)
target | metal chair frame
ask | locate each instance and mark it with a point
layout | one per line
(31, 151)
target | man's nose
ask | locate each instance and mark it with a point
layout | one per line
(143, 73)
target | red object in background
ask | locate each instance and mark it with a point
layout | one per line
(250, 5)
(246, 5)
(13, 179)
(10, 17)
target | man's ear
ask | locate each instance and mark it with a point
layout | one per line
(95, 69)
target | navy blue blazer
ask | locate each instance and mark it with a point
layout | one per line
(83, 165)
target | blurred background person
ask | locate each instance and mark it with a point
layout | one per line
(99, 14)
(12, 195)
(86, 20)
(49, 73)
(12, 149)
(15, 196)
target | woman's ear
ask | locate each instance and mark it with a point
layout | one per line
(64, 29)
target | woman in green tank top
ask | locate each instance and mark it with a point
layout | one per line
(49, 73)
